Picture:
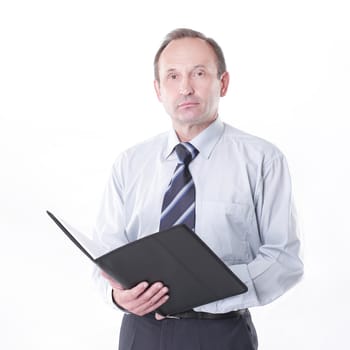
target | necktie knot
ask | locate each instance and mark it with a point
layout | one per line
(185, 152)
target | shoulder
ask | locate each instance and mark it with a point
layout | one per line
(252, 147)
(143, 151)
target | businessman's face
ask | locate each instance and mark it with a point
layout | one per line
(188, 84)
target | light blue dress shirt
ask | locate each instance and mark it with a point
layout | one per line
(244, 208)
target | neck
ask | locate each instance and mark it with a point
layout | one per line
(187, 132)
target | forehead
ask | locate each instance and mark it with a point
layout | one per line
(187, 52)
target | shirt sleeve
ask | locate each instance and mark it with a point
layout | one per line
(277, 264)
(109, 231)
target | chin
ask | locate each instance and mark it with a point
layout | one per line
(193, 119)
(189, 117)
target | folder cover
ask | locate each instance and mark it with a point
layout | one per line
(178, 258)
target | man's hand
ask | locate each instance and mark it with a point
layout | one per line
(140, 300)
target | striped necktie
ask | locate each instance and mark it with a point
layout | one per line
(179, 199)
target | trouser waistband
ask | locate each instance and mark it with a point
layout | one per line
(191, 314)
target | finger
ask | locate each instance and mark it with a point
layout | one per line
(138, 290)
(151, 301)
(155, 306)
(136, 297)
(150, 295)
(129, 298)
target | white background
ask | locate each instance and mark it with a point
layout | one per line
(76, 89)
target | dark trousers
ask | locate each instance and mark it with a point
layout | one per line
(146, 333)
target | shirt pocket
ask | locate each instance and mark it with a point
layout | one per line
(224, 226)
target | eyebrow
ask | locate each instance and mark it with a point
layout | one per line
(170, 70)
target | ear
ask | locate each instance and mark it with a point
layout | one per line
(224, 80)
(157, 88)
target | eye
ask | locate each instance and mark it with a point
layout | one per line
(172, 76)
(199, 73)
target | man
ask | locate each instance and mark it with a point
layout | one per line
(241, 205)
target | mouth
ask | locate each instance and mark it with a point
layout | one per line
(187, 104)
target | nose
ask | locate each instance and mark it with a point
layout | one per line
(186, 88)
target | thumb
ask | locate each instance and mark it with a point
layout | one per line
(159, 317)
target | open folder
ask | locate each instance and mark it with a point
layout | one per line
(177, 257)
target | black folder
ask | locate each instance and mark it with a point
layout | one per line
(177, 257)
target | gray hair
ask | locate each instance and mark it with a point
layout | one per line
(182, 33)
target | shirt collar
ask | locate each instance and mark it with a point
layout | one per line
(204, 142)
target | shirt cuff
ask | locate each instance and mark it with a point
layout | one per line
(112, 301)
(242, 272)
